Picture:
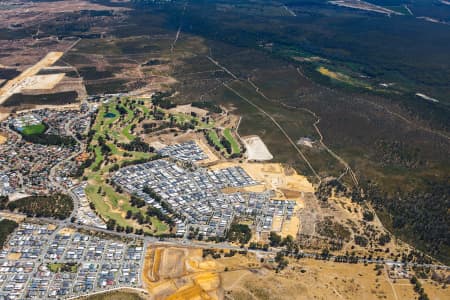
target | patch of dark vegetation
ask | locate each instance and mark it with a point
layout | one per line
(153, 211)
(6, 228)
(8, 73)
(16, 34)
(57, 206)
(44, 99)
(239, 233)
(137, 145)
(328, 186)
(50, 139)
(91, 73)
(210, 106)
(154, 62)
(396, 153)
(361, 241)
(108, 87)
(333, 230)
(72, 74)
(160, 99)
(417, 216)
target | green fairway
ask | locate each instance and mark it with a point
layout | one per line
(33, 129)
(126, 132)
(234, 144)
(158, 225)
(212, 135)
(98, 158)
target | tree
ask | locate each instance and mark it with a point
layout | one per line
(368, 216)
(239, 232)
(275, 239)
(111, 224)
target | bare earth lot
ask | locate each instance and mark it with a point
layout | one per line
(256, 149)
(25, 79)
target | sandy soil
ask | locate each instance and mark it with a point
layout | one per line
(67, 231)
(434, 290)
(180, 273)
(14, 256)
(42, 82)
(18, 218)
(311, 279)
(3, 115)
(212, 157)
(287, 184)
(158, 145)
(3, 138)
(15, 85)
(256, 149)
(187, 109)
(274, 176)
(245, 277)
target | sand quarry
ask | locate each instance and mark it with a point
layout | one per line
(181, 273)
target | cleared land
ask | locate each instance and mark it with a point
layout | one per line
(41, 83)
(314, 279)
(180, 273)
(15, 85)
(191, 273)
(256, 149)
(284, 181)
(3, 138)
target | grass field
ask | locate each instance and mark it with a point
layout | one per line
(34, 129)
(236, 149)
(61, 267)
(212, 134)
